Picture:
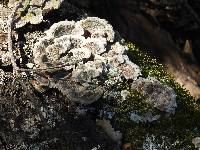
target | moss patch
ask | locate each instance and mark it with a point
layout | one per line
(176, 131)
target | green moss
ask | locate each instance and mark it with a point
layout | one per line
(180, 128)
(135, 101)
(150, 67)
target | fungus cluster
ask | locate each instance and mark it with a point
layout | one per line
(86, 59)
(82, 59)
(32, 11)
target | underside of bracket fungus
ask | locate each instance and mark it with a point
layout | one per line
(85, 59)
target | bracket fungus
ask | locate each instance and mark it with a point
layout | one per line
(32, 11)
(78, 58)
(85, 59)
(159, 95)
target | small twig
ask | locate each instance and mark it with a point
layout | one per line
(10, 44)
